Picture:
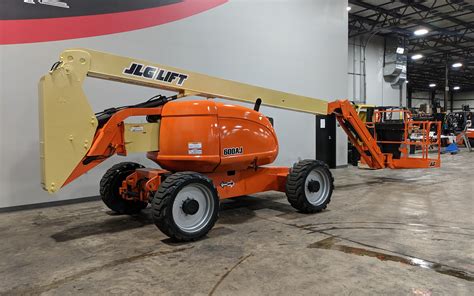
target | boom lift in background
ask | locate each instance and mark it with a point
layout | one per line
(460, 124)
(206, 150)
(456, 125)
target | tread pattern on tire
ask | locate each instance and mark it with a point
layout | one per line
(162, 204)
(296, 181)
(108, 187)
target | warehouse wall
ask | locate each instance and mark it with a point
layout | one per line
(420, 97)
(463, 98)
(459, 99)
(378, 91)
(297, 46)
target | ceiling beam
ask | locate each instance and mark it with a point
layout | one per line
(447, 42)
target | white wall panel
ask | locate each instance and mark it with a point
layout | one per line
(378, 91)
(296, 46)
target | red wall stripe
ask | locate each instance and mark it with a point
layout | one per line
(52, 29)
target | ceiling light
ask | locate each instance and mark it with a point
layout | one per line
(406, 81)
(416, 56)
(348, 8)
(420, 32)
(432, 84)
(456, 88)
(457, 65)
(400, 50)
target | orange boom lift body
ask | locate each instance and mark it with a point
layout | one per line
(191, 136)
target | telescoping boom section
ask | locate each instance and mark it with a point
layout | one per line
(74, 138)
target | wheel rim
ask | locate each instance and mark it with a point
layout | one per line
(317, 187)
(192, 223)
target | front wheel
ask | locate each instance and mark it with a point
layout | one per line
(186, 206)
(309, 186)
(109, 189)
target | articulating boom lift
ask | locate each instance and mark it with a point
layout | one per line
(206, 150)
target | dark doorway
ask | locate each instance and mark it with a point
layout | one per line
(326, 139)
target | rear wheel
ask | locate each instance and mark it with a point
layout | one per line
(309, 186)
(109, 189)
(186, 206)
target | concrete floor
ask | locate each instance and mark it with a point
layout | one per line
(405, 232)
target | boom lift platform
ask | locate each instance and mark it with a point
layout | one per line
(385, 140)
(206, 150)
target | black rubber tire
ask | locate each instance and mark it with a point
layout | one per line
(162, 205)
(109, 189)
(295, 183)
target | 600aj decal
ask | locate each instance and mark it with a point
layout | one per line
(233, 151)
(151, 72)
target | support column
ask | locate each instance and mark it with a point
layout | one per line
(409, 96)
(451, 96)
(446, 83)
(401, 95)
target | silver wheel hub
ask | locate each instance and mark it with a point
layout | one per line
(316, 187)
(193, 207)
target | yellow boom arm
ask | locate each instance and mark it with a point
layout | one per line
(68, 123)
